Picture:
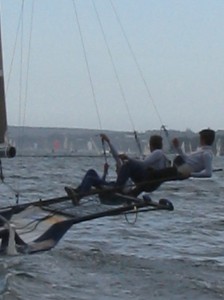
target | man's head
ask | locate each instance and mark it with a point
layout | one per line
(207, 137)
(155, 142)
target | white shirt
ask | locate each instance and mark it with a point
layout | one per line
(156, 160)
(200, 161)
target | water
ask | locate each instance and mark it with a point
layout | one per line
(164, 255)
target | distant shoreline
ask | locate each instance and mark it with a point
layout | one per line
(79, 142)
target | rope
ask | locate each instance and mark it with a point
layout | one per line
(136, 216)
(113, 64)
(19, 29)
(141, 73)
(21, 66)
(136, 62)
(28, 62)
(14, 49)
(89, 75)
(87, 64)
(118, 79)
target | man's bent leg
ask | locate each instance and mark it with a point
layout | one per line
(130, 169)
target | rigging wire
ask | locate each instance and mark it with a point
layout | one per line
(117, 77)
(28, 62)
(26, 76)
(89, 74)
(21, 82)
(14, 50)
(113, 64)
(136, 61)
(19, 29)
(139, 70)
(87, 63)
(21, 118)
(21, 64)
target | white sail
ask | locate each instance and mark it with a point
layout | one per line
(218, 147)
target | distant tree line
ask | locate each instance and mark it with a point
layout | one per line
(88, 141)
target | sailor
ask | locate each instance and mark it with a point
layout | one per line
(198, 163)
(137, 169)
(92, 178)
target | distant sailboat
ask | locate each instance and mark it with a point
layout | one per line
(218, 147)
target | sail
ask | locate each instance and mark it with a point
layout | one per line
(3, 120)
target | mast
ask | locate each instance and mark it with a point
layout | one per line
(3, 118)
(5, 150)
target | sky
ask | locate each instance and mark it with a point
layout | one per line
(114, 64)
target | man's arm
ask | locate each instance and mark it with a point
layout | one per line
(113, 150)
(105, 171)
(178, 149)
(207, 171)
(150, 160)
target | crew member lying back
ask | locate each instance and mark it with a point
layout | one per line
(198, 163)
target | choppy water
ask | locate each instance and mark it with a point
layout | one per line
(164, 255)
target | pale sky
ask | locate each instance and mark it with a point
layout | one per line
(178, 46)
